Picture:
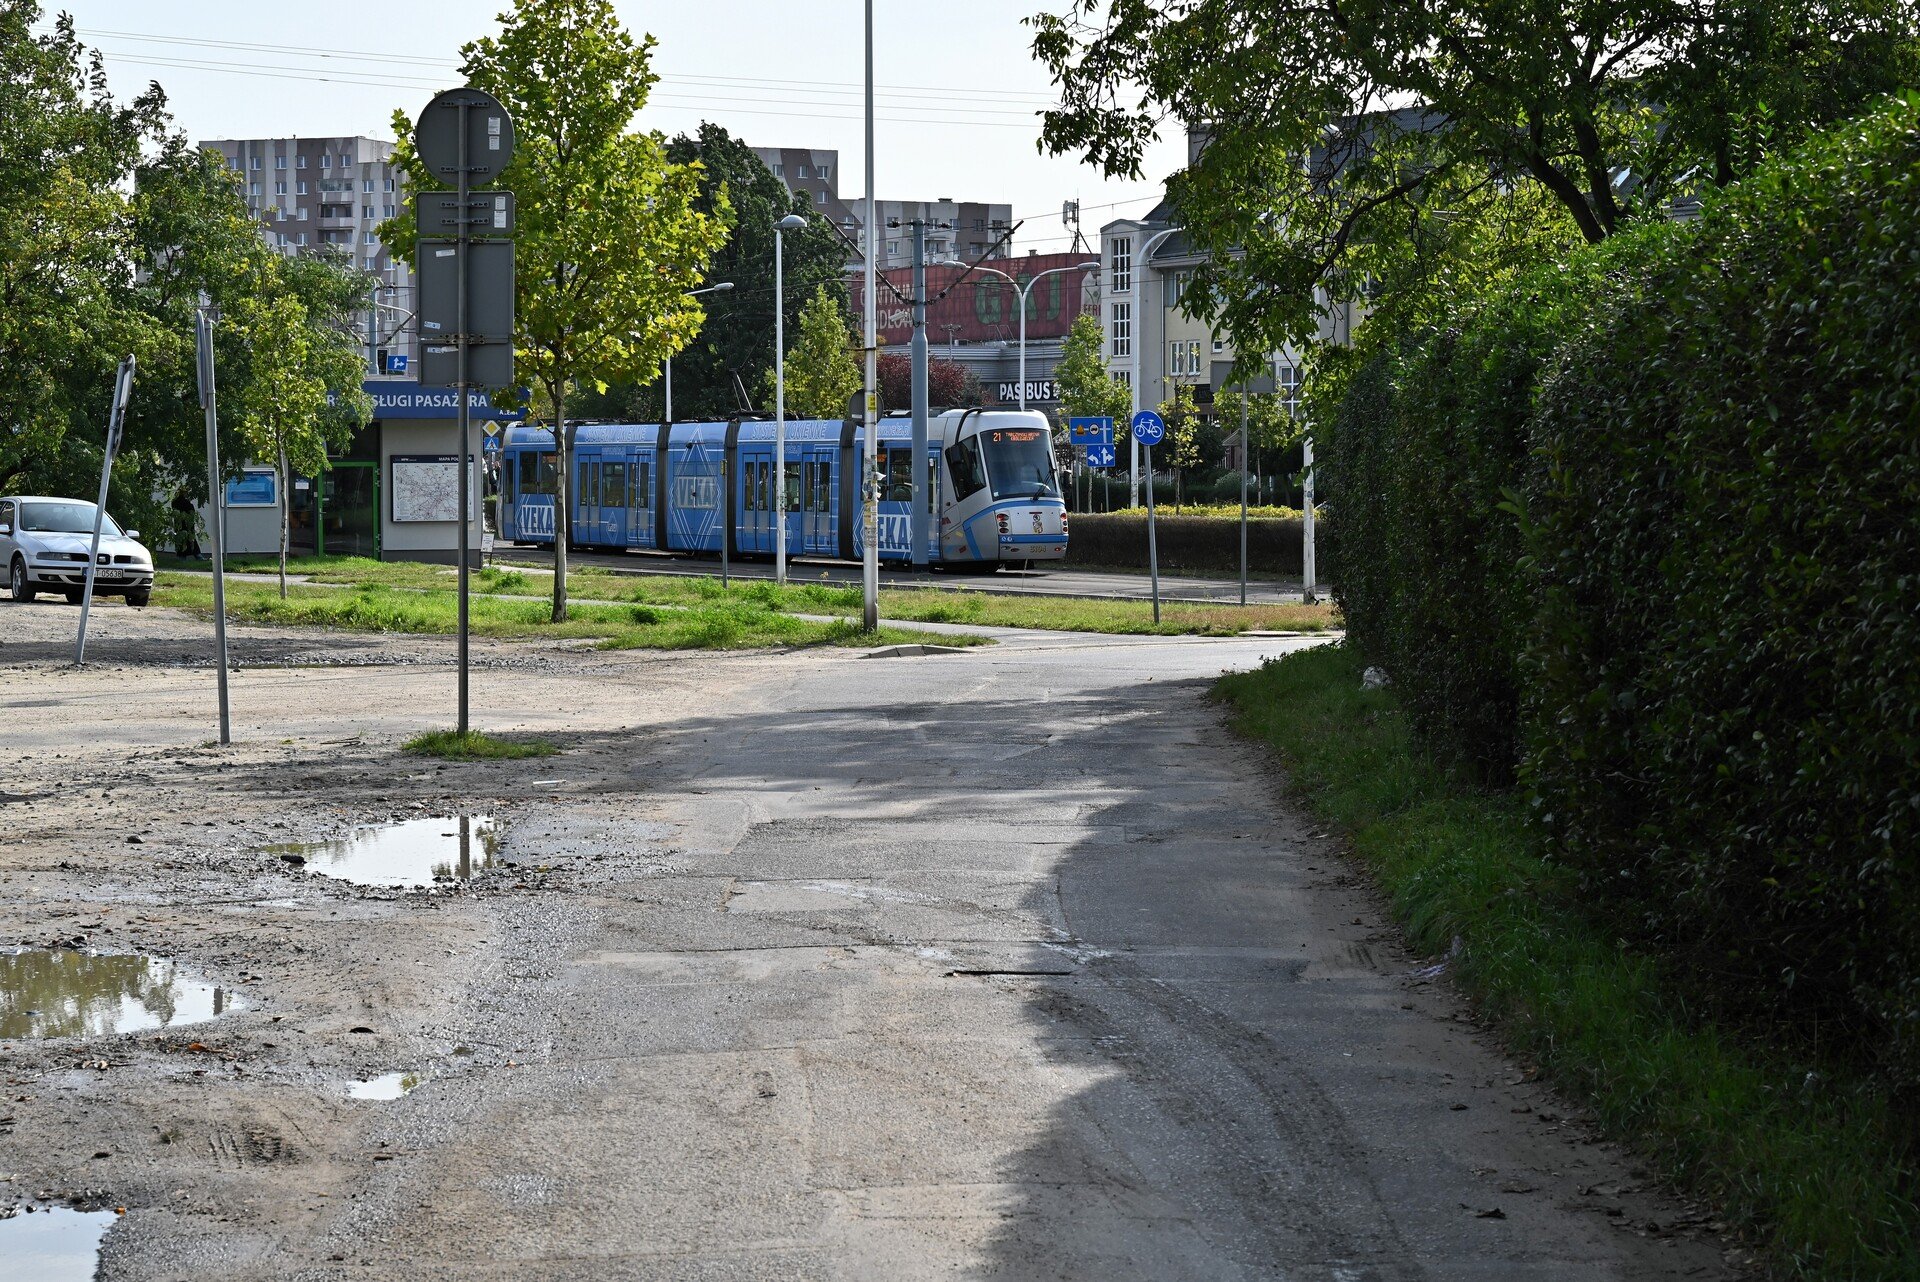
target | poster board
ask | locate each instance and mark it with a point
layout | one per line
(255, 487)
(425, 487)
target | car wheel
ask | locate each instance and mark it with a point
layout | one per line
(18, 581)
(76, 595)
(139, 599)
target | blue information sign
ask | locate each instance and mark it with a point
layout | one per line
(1085, 432)
(253, 489)
(1100, 455)
(1149, 428)
(396, 362)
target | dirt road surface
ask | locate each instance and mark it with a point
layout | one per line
(1005, 964)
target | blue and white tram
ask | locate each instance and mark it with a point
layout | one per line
(680, 487)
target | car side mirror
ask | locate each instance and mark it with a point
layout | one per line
(134, 535)
(5, 528)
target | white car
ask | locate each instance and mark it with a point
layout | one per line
(44, 544)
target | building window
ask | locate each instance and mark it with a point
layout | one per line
(825, 171)
(299, 162)
(372, 262)
(279, 162)
(1287, 379)
(254, 163)
(389, 186)
(779, 170)
(1124, 377)
(234, 163)
(1183, 358)
(280, 215)
(346, 158)
(366, 186)
(253, 189)
(1123, 265)
(303, 235)
(1219, 346)
(803, 172)
(819, 197)
(388, 211)
(280, 189)
(1123, 329)
(326, 161)
(366, 211)
(300, 187)
(302, 215)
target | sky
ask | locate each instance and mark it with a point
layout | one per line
(956, 84)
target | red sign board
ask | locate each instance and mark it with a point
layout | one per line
(981, 308)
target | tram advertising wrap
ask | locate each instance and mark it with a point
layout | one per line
(682, 487)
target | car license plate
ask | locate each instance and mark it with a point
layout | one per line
(109, 574)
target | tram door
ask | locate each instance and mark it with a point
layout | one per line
(613, 501)
(586, 497)
(640, 500)
(754, 507)
(818, 534)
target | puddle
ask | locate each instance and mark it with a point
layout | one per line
(55, 992)
(407, 855)
(385, 1086)
(53, 1244)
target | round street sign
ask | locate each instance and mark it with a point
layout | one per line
(489, 131)
(1149, 428)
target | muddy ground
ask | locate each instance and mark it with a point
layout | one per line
(802, 965)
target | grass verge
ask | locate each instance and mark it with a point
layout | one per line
(918, 605)
(451, 745)
(1800, 1154)
(374, 607)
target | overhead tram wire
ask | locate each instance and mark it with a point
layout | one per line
(840, 87)
(698, 104)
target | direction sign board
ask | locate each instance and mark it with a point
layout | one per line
(1149, 428)
(1100, 455)
(488, 131)
(1090, 431)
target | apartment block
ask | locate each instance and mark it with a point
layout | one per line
(969, 229)
(310, 192)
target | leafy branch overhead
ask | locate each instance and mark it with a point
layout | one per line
(1358, 149)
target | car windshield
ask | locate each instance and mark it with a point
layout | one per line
(1020, 463)
(63, 518)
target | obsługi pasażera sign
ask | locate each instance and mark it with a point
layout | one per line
(393, 398)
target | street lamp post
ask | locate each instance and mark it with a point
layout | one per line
(1139, 341)
(792, 222)
(720, 288)
(1024, 291)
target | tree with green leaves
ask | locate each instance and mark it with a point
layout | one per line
(1087, 388)
(612, 233)
(821, 374)
(1370, 149)
(1181, 448)
(296, 332)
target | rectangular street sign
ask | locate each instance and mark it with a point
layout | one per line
(1090, 431)
(488, 265)
(1100, 455)
(486, 213)
(489, 364)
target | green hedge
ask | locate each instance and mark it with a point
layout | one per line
(1194, 543)
(1645, 529)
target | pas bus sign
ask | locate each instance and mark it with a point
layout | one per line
(1040, 390)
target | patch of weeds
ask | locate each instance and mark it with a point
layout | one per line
(451, 745)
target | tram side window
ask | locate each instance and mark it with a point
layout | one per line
(822, 487)
(763, 494)
(963, 463)
(792, 503)
(899, 467)
(613, 485)
(589, 495)
(643, 484)
(537, 472)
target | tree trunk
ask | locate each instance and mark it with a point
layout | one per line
(562, 501)
(286, 518)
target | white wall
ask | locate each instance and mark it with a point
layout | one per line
(425, 540)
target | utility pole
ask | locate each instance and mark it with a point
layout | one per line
(870, 483)
(918, 523)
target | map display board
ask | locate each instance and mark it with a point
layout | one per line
(426, 487)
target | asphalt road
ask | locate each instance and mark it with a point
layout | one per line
(1058, 579)
(1003, 964)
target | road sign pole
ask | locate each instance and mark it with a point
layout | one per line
(1308, 595)
(116, 415)
(1153, 544)
(1243, 492)
(216, 507)
(464, 187)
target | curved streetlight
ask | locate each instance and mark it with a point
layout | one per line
(1138, 343)
(1024, 291)
(792, 222)
(720, 288)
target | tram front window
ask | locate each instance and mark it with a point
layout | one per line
(1020, 463)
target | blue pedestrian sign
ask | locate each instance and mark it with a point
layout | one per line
(1149, 428)
(1100, 455)
(1086, 432)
